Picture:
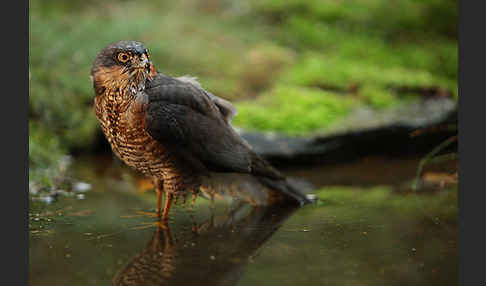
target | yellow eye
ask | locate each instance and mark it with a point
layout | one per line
(123, 57)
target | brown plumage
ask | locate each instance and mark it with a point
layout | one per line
(174, 131)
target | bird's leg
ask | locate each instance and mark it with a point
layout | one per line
(168, 201)
(161, 224)
(159, 200)
(158, 188)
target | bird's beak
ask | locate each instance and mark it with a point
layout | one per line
(143, 62)
(146, 62)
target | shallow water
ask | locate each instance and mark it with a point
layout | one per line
(365, 230)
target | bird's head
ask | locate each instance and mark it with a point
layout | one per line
(122, 64)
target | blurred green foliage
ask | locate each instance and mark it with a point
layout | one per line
(306, 62)
(277, 110)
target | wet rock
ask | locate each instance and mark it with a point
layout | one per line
(81, 187)
(44, 199)
(365, 132)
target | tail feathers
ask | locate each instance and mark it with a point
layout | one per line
(261, 167)
(257, 190)
(294, 190)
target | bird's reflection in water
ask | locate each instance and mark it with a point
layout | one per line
(211, 253)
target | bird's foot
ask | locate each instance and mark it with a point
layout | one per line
(162, 224)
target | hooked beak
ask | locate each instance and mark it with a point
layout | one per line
(142, 62)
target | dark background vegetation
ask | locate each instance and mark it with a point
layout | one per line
(293, 67)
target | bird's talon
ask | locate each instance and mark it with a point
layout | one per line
(162, 225)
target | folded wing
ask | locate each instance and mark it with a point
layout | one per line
(184, 115)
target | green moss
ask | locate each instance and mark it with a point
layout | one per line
(382, 16)
(346, 73)
(45, 153)
(293, 110)
(44, 146)
(354, 43)
(378, 97)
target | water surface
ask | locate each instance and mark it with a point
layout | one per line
(365, 230)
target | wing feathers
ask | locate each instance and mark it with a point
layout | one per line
(182, 114)
(226, 108)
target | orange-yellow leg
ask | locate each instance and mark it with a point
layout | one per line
(168, 202)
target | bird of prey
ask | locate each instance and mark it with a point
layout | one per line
(174, 131)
